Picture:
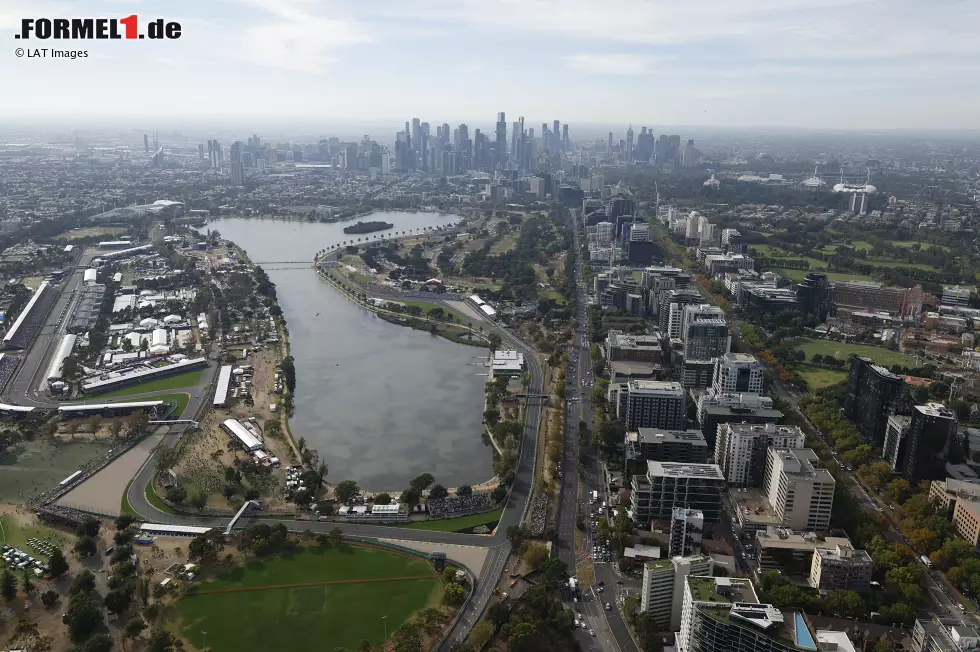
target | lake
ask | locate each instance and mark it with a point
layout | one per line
(381, 403)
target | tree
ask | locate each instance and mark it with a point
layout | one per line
(98, 643)
(346, 491)
(134, 628)
(84, 582)
(118, 600)
(554, 571)
(124, 521)
(336, 536)
(438, 492)
(491, 416)
(85, 546)
(517, 534)
(884, 645)
(493, 342)
(535, 555)
(382, 499)
(845, 604)
(48, 598)
(206, 547)
(410, 497)
(8, 586)
(88, 528)
(57, 564)
(454, 594)
(26, 584)
(464, 490)
(522, 637)
(83, 617)
(422, 482)
(498, 613)
(161, 641)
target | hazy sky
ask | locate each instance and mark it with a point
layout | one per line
(819, 63)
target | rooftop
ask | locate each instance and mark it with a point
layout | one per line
(656, 387)
(658, 436)
(684, 470)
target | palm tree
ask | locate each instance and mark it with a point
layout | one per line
(302, 444)
(321, 471)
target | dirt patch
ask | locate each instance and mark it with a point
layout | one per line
(470, 556)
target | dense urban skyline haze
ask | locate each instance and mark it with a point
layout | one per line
(837, 64)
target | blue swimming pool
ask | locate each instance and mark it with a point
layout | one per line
(803, 637)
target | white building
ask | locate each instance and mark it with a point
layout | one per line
(662, 595)
(800, 493)
(507, 362)
(738, 373)
(741, 449)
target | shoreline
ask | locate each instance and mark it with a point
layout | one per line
(296, 218)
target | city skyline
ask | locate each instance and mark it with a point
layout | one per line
(709, 63)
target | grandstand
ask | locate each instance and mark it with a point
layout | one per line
(31, 318)
(7, 365)
(58, 361)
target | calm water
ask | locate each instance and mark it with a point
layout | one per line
(382, 403)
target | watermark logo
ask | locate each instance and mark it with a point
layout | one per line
(82, 29)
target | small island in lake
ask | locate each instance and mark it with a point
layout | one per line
(368, 227)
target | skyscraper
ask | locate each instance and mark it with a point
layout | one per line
(629, 144)
(237, 165)
(501, 150)
(609, 146)
(146, 143)
(200, 150)
(564, 136)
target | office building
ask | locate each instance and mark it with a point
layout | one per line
(931, 431)
(604, 233)
(705, 332)
(237, 164)
(653, 404)
(738, 373)
(672, 310)
(966, 518)
(874, 394)
(895, 448)
(668, 485)
(696, 374)
(685, 446)
(954, 295)
(868, 296)
(626, 347)
(778, 548)
(713, 416)
(943, 635)
(801, 494)
(662, 594)
(640, 249)
(742, 449)
(814, 295)
(842, 567)
(686, 532)
(763, 298)
(944, 493)
(723, 614)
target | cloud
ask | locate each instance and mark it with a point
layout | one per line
(298, 35)
(624, 64)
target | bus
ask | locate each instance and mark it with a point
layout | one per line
(595, 495)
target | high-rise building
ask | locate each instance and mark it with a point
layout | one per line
(629, 145)
(672, 310)
(668, 485)
(200, 151)
(640, 248)
(237, 164)
(895, 448)
(800, 493)
(146, 143)
(738, 373)
(943, 635)
(723, 614)
(842, 567)
(654, 404)
(686, 532)
(705, 332)
(674, 149)
(214, 154)
(663, 445)
(564, 136)
(689, 157)
(874, 393)
(931, 431)
(742, 449)
(501, 150)
(662, 595)
(814, 294)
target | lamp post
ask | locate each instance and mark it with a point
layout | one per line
(205, 644)
(384, 619)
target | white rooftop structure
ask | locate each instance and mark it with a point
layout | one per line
(58, 361)
(221, 389)
(248, 441)
(12, 331)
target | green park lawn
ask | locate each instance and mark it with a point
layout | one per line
(458, 524)
(180, 381)
(798, 275)
(308, 617)
(13, 534)
(843, 351)
(818, 377)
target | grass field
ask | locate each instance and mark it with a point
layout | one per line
(90, 231)
(153, 499)
(464, 523)
(770, 251)
(843, 351)
(309, 617)
(800, 274)
(17, 536)
(818, 378)
(180, 381)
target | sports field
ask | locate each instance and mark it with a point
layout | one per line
(319, 599)
(843, 351)
(180, 381)
(818, 377)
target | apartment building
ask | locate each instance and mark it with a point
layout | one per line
(669, 485)
(741, 449)
(800, 493)
(662, 594)
(738, 373)
(653, 404)
(841, 568)
(664, 445)
(686, 532)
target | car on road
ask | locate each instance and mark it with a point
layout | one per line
(608, 606)
(591, 632)
(619, 581)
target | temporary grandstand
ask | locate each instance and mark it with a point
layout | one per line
(30, 319)
(113, 380)
(221, 390)
(56, 368)
(376, 513)
(110, 409)
(126, 253)
(165, 530)
(244, 436)
(7, 365)
(87, 309)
